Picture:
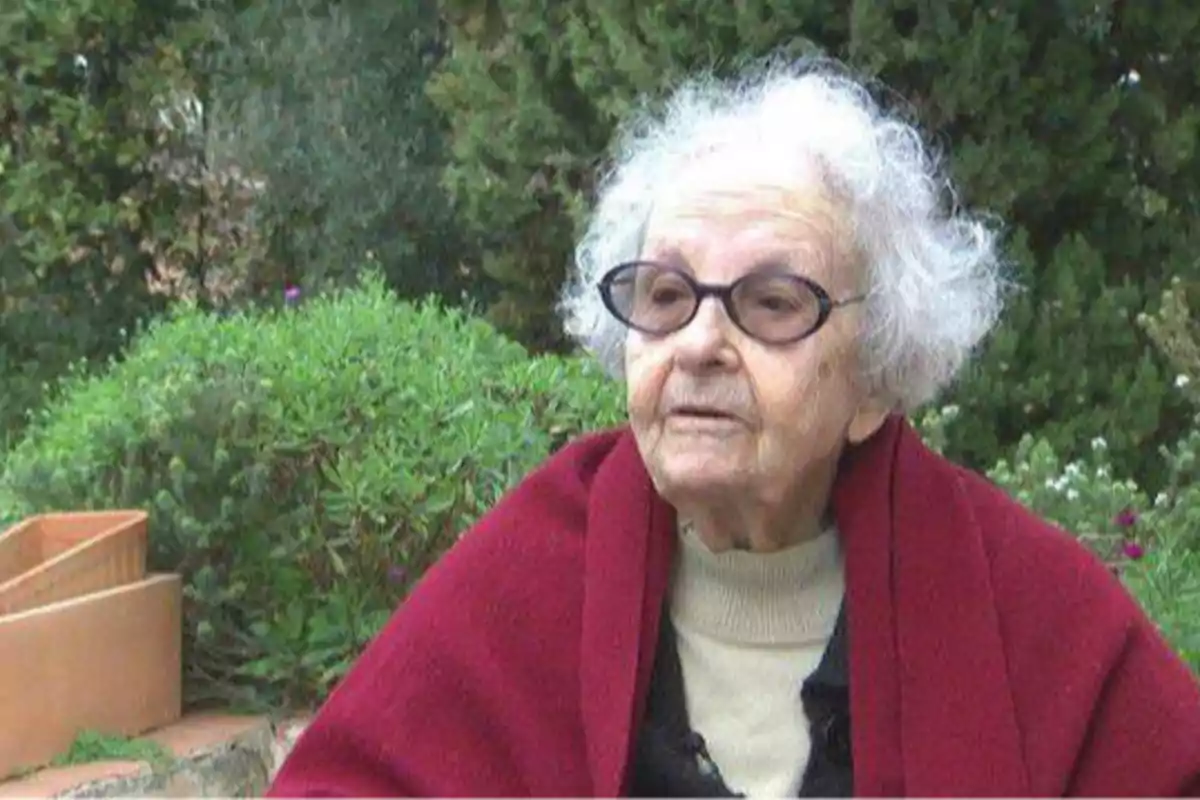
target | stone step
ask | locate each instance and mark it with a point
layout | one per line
(214, 755)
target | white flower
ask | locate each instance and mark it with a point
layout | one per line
(1072, 494)
(1099, 444)
(1182, 381)
(1160, 500)
(1056, 484)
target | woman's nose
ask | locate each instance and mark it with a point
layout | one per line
(705, 339)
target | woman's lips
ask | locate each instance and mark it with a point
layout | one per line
(699, 418)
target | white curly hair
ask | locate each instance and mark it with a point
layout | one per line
(934, 278)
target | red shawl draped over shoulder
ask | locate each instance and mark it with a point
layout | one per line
(990, 654)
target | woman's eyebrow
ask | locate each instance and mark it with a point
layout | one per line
(779, 264)
(670, 255)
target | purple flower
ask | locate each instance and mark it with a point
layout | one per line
(396, 574)
(1127, 518)
(291, 294)
(1133, 551)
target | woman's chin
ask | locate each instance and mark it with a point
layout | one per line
(697, 477)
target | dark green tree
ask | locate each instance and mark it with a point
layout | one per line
(1078, 123)
(88, 208)
(322, 104)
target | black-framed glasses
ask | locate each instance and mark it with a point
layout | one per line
(772, 307)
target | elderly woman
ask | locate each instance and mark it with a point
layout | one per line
(765, 584)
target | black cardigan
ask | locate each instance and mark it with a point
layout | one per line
(671, 760)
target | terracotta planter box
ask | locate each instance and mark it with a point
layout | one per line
(107, 662)
(53, 557)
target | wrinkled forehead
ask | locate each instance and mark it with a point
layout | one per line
(721, 220)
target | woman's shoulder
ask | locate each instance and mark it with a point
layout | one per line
(480, 660)
(1030, 560)
(517, 567)
(1061, 609)
(1089, 670)
(1030, 555)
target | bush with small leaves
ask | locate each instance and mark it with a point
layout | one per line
(1083, 497)
(302, 467)
(1176, 332)
(933, 425)
(1167, 579)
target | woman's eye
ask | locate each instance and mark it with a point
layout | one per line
(668, 295)
(778, 303)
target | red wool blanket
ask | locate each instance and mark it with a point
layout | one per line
(990, 654)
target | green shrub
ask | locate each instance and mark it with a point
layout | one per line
(302, 467)
(1083, 496)
(1167, 579)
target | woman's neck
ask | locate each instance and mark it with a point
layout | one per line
(790, 596)
(762, 517)
(754, 525)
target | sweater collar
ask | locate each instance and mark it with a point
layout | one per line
(789, 597)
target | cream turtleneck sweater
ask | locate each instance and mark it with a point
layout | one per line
(751, 627)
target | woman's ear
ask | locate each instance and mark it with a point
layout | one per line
(869, 418)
